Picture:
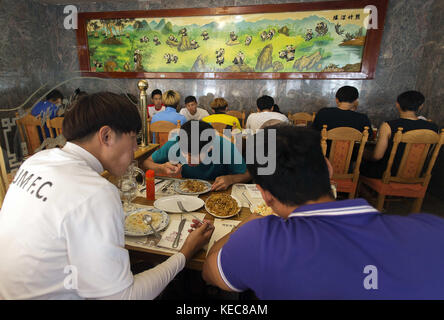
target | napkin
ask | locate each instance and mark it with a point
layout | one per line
(171, 232)
(221, 228)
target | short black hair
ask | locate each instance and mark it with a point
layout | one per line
(187, 128)
(190, 99)
(347, 94)
(54, 95)
(156, 91)
(265, 102)
(410, 100)
(301, 172)
(91, 112)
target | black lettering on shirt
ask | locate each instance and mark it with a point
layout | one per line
(17, 176)
(25, 180)
(37, 194)
(33, 184)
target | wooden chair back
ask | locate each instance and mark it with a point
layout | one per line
(270, 123)
(420, 145)
(4, 181)
(55, 126)
(161, 130)
(29, 128)
(343, 140)
(302, 119)
(238, 114)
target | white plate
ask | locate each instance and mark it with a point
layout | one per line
(164, 222)
(178, 189)
(169, 204)
(239, 205)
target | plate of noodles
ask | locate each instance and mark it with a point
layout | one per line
(222, 205)
(193, 187)
(134, 225)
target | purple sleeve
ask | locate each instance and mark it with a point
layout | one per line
(238, 260)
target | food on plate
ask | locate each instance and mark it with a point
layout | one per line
(222, 204)
(263, 210)
(134, 222)
(193, 186)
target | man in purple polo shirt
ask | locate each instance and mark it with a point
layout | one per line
(318, 248)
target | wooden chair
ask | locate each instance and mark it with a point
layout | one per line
(271, 122)
(4, 181)
(29, 128)
(301, 119)
(343, 140)
(239, 115)
(409, 181)
(161, 130)
(55, 125)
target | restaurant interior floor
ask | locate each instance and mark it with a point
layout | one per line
(189, 285)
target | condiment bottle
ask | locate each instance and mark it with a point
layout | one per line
(150, 187)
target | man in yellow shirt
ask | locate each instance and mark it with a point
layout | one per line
(220, 107)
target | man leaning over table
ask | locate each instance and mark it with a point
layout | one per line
(318, 248)
(62, 223)
(215, 157)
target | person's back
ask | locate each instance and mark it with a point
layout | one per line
(40, 218)
(171, 99)
(220, 107)
(326, 251)
(319, 248)
(265, 108)
(408, 104)
(345, 114)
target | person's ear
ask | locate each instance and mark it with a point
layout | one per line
(266, 195)
(420, 107)
(398, 107)
(106, 135)
(337, 101)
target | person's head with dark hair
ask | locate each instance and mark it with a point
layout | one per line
(265, 103)
(410, 101)
(301, 173)
(190, 144)
(105, 124)
(219, 105)
(55, 97)
(347, 98)
(156, 98)
(276, 109)
(191, 104)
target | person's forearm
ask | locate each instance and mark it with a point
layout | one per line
(149, 164)
(241, 177)
(149, 284)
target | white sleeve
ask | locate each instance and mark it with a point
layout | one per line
(149, 284)
(95, 242)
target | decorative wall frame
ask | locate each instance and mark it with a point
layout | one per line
(319, 40)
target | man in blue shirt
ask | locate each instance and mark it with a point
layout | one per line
(48, 109)
(50, 106)
(199, 153)
(171, 99)
(318, 248)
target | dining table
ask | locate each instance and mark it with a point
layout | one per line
(156, 255)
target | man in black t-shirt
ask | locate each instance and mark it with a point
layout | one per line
(344, 115)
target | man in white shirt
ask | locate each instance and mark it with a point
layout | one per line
(62, 223)
(264, 113)
(157, 105)
(191, 111)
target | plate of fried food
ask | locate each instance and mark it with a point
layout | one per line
(262, 209)
(135, 226)
(193, 187)
(222, 205)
